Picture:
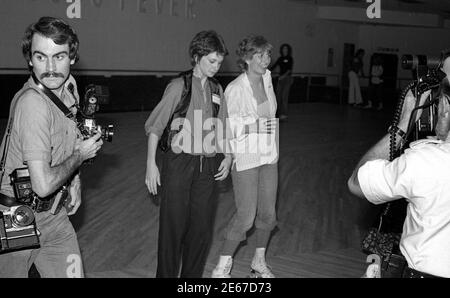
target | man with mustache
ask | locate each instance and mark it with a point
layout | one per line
(44, 138)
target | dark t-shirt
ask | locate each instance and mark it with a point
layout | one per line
(285, 64)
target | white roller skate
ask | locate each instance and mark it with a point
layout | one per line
(223, 268)
(259, 267)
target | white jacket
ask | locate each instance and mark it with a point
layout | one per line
(250, 150)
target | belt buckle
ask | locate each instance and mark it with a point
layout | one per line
(40, 205)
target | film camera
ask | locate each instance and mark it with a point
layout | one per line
(21, 184)
(24, 194)
(18, 229)
(87, 124)
(428, 76)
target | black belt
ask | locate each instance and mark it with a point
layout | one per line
(37, 205)
(397, 267)
(411, 273)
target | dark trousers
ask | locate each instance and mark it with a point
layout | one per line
(283, 90)
(376, 94)
(186, 214)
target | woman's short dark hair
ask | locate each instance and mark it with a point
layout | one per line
(249, 46)
(205, 43)
(289, 48)
(56, 29)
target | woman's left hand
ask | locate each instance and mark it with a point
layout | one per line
(224, 168)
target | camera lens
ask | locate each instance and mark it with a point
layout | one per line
(108, 133)
(23, 216)
(408, 62)
(415, 61)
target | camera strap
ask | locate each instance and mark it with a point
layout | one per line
(6, 138)
(52, 96)
(5, 149)
(55, 99)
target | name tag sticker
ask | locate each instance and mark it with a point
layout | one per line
(216, 99)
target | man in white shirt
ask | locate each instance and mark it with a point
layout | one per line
(421, 175)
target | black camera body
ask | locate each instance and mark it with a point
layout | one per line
(87, 124)
(18, 229)
(21, 184)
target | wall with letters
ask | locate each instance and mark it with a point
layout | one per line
(153, 35)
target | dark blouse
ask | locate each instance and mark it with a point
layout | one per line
(285, 63)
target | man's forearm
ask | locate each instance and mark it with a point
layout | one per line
(379, 151)
(46, 180)
(59, 175)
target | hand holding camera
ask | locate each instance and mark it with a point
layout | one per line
(409, 105)
(88, 148)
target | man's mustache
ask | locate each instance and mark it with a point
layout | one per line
(51, 74)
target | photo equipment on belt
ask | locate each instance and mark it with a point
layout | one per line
(18, 229)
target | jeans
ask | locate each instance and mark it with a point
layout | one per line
(283, 90)
(58, 257)
(255, 194)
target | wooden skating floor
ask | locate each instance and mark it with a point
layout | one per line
(320, 225)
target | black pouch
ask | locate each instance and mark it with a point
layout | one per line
(394, 266)
(165, 142)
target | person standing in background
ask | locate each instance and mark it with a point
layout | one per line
(286, 63)
(356, 71)
(376, 84)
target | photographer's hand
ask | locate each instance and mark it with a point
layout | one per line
(88, 148)
(408, 107)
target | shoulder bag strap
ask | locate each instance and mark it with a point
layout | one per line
(52, 96)
(6, 138)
